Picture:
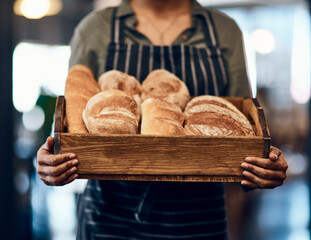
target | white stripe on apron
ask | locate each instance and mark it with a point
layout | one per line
(116, 57)
(222, 66)
(151, 58)
(140, 52)
(183, 64)
(170, 49)
(127, 61)
(209, 54)
(194, 75)
(210, 29)
(203, 71)
(162, 57)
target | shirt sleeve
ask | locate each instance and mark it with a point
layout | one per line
(239, 84)
(231, 41)
(90, 41)
(81, 53)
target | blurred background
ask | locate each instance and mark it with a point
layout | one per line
(34, 38)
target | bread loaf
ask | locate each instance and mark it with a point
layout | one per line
(164, 85)
(117, 80)
(160, 117)
(111, 112)
(214, 116)
(80, 87)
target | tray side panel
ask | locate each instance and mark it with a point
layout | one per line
(147, 155)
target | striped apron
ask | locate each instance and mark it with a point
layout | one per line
(159, 210)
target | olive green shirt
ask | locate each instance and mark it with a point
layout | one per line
(92, 36)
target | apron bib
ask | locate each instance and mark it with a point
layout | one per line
(202, 69)
(158, 210)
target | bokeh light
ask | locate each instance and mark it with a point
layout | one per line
(263, 41)
(34, 119)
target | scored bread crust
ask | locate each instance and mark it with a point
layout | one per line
(160, 117)
(79, 88)
(112, 112)
(210, 115)
(117, 80)
(166, 86)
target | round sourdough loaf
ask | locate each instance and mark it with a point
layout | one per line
(115, 79)
(166, 86)
(111, 112)
(214, 116)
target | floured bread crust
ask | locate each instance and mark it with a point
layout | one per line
(80, 87)
(160, 117)
(112, 112)
(164, 85)
(117, 80)
(214, 116)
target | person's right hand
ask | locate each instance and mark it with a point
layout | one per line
(58, 169)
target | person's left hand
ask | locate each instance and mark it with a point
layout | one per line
(265, 173)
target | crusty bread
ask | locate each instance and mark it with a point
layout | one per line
(80, 87)
(166, 86)
(214, 116)
(111, 112)
(115, 79)
(160, 117)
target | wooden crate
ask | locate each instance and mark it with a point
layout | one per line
(164, 158)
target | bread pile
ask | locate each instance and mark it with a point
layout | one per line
(116, 104)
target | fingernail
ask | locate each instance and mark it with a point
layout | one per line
(248, 159)
(75, 162)
(244, 165)
(71, 156)
(243, 182)
(74, 169)
(75, 176)
(276, 156)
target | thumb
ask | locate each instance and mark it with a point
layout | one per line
(49, 144)
(274, 153)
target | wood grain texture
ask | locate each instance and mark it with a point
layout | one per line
(168, 158)
(149, 155)
(169, 178)
(59, 123)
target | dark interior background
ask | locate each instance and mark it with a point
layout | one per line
(252, 215)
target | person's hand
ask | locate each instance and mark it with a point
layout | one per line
(58, 169)
(265, 173)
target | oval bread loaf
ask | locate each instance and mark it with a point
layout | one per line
(160, 117)
(166, 86)
(80, 87)
(117, 80)
(214, 116)
(111, 112)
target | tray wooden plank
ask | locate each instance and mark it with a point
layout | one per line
(165, 158)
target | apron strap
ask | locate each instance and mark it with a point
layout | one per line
(211, 40)
(208, 29)
(117, 28)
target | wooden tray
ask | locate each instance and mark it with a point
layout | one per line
(164, 158)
